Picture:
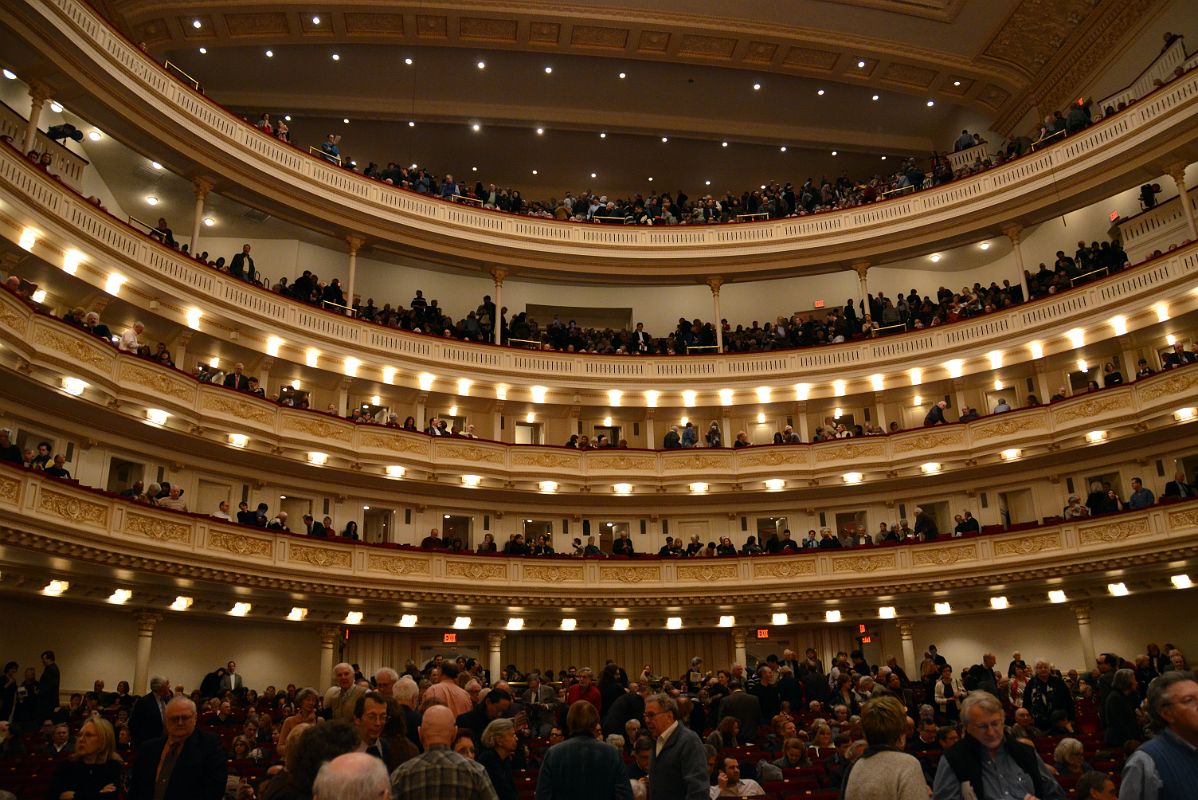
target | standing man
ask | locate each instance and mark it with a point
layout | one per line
(583, 767)
(47, 687)
(185, 764)
(1166, 767)
(242, 265)
(438, 771)
(678, 766)
(146, 718)
(448, 691)
(991, 762)
(232, 682)
(341, 697)
(585, 690)
(370, 715)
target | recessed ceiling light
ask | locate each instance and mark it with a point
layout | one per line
(820, 92)
(95, 136)
(935, 257)
(603, 136)
(534, 172)
(346, 120)
(287, 118)
(195, 23)
(476, 127)
(883, 158)
(151, 200)
(623, 75)
(707, 183)
(315, 20)
(548, 70)
(833, 152)
(783, 148)
(155, 165)
(56, 107)
(474, 169)
(8, 73)
(956, 83)
(665, 139)
(650, 179)
(594, 175)
(984, 245)
(860, 65)
(408, 61)
(481, 65)
(723, 144)
(203, 51)
(336, 57)
(931, 103)
(540, 131)
(876, 98)
(209, 222)
(757, 87)
(270, 53)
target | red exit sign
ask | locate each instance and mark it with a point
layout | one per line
(763, 633)
(450, 638)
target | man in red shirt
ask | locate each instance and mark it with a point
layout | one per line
(585, 690)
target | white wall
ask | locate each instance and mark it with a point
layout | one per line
(93, 642)
(1177, 16)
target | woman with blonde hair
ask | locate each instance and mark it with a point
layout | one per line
(94, 770)
(884, 771)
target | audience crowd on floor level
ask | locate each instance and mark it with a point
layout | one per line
(789, 723)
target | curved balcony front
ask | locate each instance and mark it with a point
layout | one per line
(113, 82)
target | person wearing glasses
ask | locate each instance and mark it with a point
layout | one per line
(185, 764)
(1166, 766)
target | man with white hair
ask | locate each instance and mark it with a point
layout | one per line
(130, 339)
(341, 697)
(1165, 767)
(352, 776)
(993, 764)
(185, 764)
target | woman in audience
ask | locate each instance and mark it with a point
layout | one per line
(487, 545)
(241, 749)
(1069, 758)
(949, 692)
(409, 424)
(821, 740)
(499, 744)
(884, 771)
(713, 436)
(305, 703)
(463, 745)
(726, 734)
(844, 694)
(1111, 376)
(1120, 709)
(94, 770)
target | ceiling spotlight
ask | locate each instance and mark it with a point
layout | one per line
(594, 175)
(757, 87)
(999, 603)
(287, 118)
(1057, 596)
(548, 487)
(780, 618)
(674, 623)
(196, 24)
(476, 127)
(8, 73)
(471, 480)
(408, 621)
(1181, 581)
(336, 57)
(665, 139)
(931, 103)
(984, 245)
(353, 618)
(723, 144)
(481, 65)
(620, 624)
(315, 20)
(622, 488)
(270, 53)
(775, 484)
(461, 623)
(345, 120)
(783, 148)
(1118, 589)
(602, 135)
(548, 70)
(534, 172)
(56, 107)
(240, 609)
(833, 152)
(408, 61)
(540, 131)
(181, 603)
(203, 51)
(569, 624)
(151, 200)
(95, 136)
(238, 439)
(155, 165)
(650, 179)
(943, 608)
(934, 258)
(956, 83)
(727, 621)
(820, 92)
(297, 614)
(622, 75)
(55, 588)
(886, 612)
(883, 158)
(411, 124)
(875, 98)
(515, 623)
(860, 65)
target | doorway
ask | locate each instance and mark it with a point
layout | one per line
(454, 526)
(377, 524)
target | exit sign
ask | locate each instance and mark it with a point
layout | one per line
(450, 638)
(763, 633)
(819, 303)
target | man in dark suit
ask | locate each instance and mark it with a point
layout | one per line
(237, 379)
(628, 706)
(1178, 487)
(746, 708)
(936, 415)
(642, 342)
(370, 716)
(242, 265)
(582, 767)
(672, 440)
(47, 687)
(314, 528)
(185, 764)
(145, 720)
(678, 766)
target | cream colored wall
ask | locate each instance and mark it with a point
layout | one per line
(94, 641)
(1176, 16)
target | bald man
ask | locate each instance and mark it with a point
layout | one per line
(352, 776)
(185, 764)
(438, 771)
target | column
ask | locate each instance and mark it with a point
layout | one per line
(1082, 612)
(497, 422)
(1012, 232)
(862, 269)
(880, 420)
(1043, 384)
(495, 655)
(739, 654)
(714, 284)
(180, 348)
(264, 368)
(421, 399)
(343, 396)
(328, 643)
(39, 93)
(907, 635)
(800, 414)
(146, 620)
(650, 434)
(1178, 173)
(1127, 349)
(201, 188)
(498, 275)
(728, 436)
(959, 393)
(355, 244)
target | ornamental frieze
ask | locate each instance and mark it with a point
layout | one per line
(476, 571)
(1026, 545)
(621, 463)
(864, 563)
(772, 457)
(944, 556)
(469, 452)
(72, 508)
(1113, 531)
(10, 490)
(223, 402)
(158, 529)
(929, 441)
(784, 568)
(240, 545)
(160, 380)
(409, 443)
(320, 556)
(396, 565)
(545, 460)
(77, 349)
(1008, 427)
(320, 428)
(706, 573)
(629, 574)
(1182, 382)
(1091, 407)
(850, 451)
(552, 573)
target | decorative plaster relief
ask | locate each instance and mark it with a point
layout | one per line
(784, 568)
(629, 574)
(863, 563)
(71, 508)
(708, 572)
(161, 381)
(240, 545)
(1026, 545)
(396, 565)
(943, 556)
(320, 556)
(475, 571)
(1113, 531)
(551, 573)
(161, 530)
